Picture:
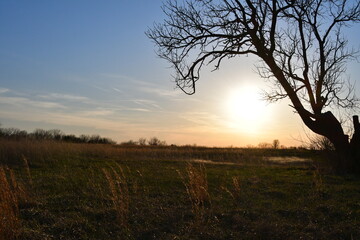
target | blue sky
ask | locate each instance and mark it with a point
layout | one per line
(87, 67)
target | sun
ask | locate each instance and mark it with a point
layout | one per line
(246, 110)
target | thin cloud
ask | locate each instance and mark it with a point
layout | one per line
(4, 90)
(88, 119)
(160, 92)
(117, 76)
(144, 103)
(138, 109)
(147, 103)
(101, 88)
(59, 96)
(204, 121)
(117, 90)
(96, 113)
(143, 86)
(21, 101)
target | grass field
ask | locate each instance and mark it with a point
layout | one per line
(53, 190)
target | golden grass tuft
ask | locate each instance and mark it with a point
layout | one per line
(197, 189)
(236, 191)
(317, 182)
(119, 194)
(9, 205)
(27, 169)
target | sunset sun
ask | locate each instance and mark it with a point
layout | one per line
(246, 111)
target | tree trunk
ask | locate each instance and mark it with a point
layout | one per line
(355, 144)
(347, 157)
(328, 126)
(347, 152)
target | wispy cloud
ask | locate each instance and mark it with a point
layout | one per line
(160, 92)
(116, 114)
(117, 76)
(80, 119)
(4, 90)
(96, 113)
(100, 119)
(117, 90)
(102, 89)
(59, 96)
(22, 101)
(204, 121)
(67, 109)
(144, 86)
(138, 109)
(146, 103)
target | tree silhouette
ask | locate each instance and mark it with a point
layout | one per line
(300, 44)
(276, 144)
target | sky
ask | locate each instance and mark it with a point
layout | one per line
(86, 67)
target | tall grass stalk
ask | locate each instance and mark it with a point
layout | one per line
(9, 205)
(235, 192)
(197, 189)
(27, 169)
(119, 194)
(317, 181)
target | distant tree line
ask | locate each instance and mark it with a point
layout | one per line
(52, 134)
(274, 145)
(58, 135)
(154, 141)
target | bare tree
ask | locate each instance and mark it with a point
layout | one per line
(276, 144)
(142, 141)
(154, 141)
(300, 45)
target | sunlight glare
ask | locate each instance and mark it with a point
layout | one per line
(246, 111)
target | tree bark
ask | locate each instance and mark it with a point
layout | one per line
(347, 157)
(327, 125)
(355, 144)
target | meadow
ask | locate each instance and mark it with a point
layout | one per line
(59, 190)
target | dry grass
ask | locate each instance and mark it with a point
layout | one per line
(197, 189)
(27, 169)
(31, 153)
(119, 194)
(82, 194)
(235, 192)
(317, 181)
(10, 192)
(39, 152)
